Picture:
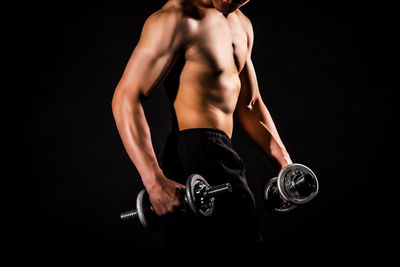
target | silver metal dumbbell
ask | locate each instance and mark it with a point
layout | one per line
(295, 185)
(199, 198)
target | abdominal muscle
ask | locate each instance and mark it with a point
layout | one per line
(206, 99)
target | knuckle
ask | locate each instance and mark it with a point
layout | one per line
(158, 211)
(164, 212)
(177, 203)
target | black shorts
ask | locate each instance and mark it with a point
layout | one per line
(233, 224)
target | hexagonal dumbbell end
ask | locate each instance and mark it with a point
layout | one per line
(295, 185)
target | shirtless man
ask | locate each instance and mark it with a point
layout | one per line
(216, 80)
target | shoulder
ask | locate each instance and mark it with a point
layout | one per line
(166, 26)
(246, 21)
(165, 16)
(248, 27)
(179, 12)
(174, 11)
(167, 21)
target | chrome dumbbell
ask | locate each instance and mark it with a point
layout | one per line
(295, 185)
(199, 198)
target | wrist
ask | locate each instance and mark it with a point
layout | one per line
(151, 176)
(285, 161)
(281, 157)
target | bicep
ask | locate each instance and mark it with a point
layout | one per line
(249, 92)
(145, 71)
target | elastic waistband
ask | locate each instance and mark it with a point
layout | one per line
(205, 131)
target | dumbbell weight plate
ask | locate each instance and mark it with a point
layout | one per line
(273, 199)
(142, 207)
(193, 184)
(148, 218)
(285, 181)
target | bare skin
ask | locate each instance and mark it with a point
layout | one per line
(217, 80)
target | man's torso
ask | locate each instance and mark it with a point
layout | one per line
(216, 51)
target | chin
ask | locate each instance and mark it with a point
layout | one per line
(228, 6)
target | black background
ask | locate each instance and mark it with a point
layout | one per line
(323, 71)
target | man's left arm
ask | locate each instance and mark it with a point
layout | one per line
(255, 118)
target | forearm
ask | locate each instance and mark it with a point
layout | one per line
(259, 125)
(135, 134)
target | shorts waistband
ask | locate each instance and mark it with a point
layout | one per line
(205, 131)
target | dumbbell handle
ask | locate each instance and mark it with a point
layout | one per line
(218, 189)
(129, 215)
(299, 180)
(209, 192)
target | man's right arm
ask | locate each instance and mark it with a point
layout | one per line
(161, 39)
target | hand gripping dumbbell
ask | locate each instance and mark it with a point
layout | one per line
(295, 185)
(199, 198)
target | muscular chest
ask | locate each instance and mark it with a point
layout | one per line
(220, 42)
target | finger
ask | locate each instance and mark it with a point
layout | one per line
(171, 209)
(180, 192)
(181, 186)
(158, 211)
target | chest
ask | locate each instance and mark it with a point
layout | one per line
(221, 42)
